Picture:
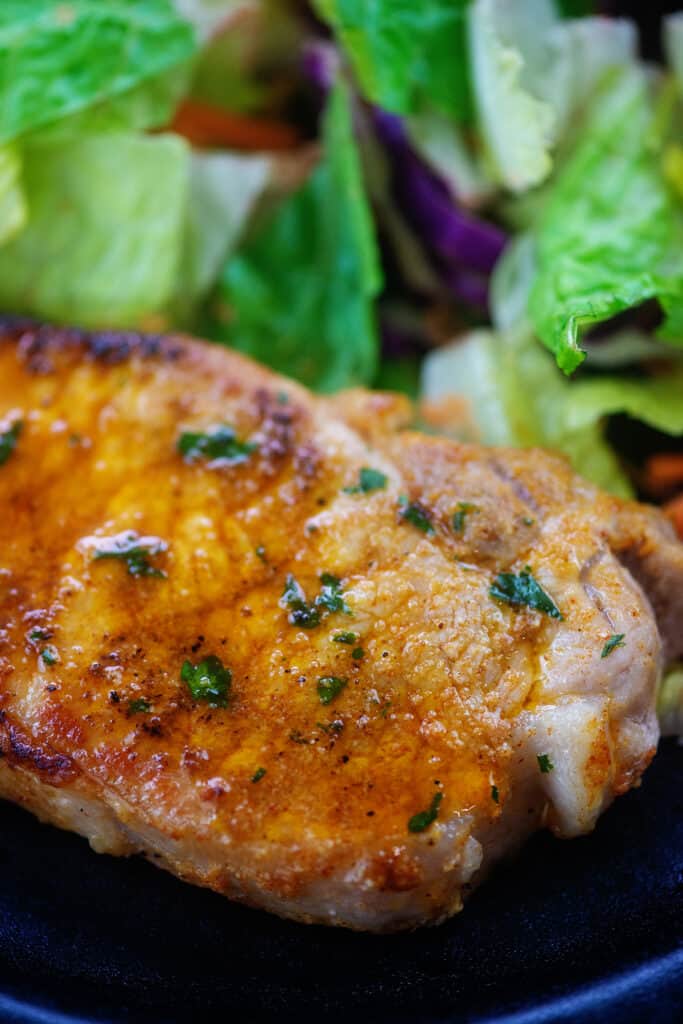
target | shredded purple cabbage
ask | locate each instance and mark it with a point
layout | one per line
(320, 64)
(466, 247)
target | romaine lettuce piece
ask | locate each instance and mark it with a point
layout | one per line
(509, 57)
(102, 244)
(610, 235)
(60, 58)
(655, 400)
(404, 52)
(673, 43)
(150, 104)
(13, 210)
(588, 49)
(223, 190)
(299, 295)
(670, 702)
(442, 145)
(208, 16)
(517, 396)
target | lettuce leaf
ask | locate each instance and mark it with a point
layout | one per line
(150, 104)
(655, 400)
(102, 244)
(405, 53)
(610, 236)
(517, 396)
(670, 702)
(60, 58)
(509, 57)
(444, 148)
(223, 189)
(299, 295)
(13, 209)
(673, 43)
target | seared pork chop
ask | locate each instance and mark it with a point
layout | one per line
(289, 650)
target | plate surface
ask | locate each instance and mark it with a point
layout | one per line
(590, 929)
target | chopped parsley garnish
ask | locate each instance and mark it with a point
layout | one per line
(8, 441)
(423, 819)
(261, 553)
(39, 634)
(331, 597)
(330, 687)
(524, 590)
(461, 513)
(368, 480)
(216, 443)
(209, 680)
(544, 763)
(307, 615)
(616, 640)
(528, 521)
(258, 774)
(49, 656)
(140, 706)
(495, 796)
(296, 736)
(345, 638)
(301, 613)
(331, 727)
(415, 514)
(134, 550)
(357, 653)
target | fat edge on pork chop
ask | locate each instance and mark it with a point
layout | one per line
(290, 650)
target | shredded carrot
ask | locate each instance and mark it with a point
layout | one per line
(664, 472)
(674, 510)
(205, 125)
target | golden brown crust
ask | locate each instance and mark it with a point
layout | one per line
(429, 705)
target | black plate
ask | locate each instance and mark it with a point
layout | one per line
(585, 930)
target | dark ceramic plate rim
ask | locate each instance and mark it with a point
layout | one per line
(626, 995)
(587, 930)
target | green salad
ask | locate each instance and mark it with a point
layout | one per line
(477, 202)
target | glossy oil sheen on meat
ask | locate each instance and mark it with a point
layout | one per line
(385, 726)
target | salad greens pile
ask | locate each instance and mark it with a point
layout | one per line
(456, 197)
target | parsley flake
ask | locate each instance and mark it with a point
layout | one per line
(368, 480)
(616, 640)
(461, 513)
(140, 706)
(260, 552)
(495, 796)
(301, 613)
(423, 819)
(134, 550)
(258, 774)
(416, 514)
(524, 590)
(544, 763)
(330, 687)
(357, 653)
(208, 681)
(216, 444)
(333, 728)
(8, 441)
(345, 638)
(331, 597)
(49, 656)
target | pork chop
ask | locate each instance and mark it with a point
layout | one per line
(290, 650)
